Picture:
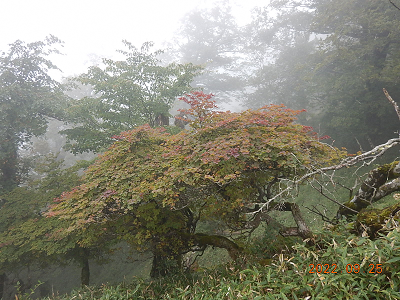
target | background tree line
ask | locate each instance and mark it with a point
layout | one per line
(331, 58)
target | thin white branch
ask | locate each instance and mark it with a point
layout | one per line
(345, 163)
(396, 107)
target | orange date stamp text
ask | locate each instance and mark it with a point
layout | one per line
(332, 268)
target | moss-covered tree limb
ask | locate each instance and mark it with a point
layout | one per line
(204, 240)
(380, 182)
(374, 220)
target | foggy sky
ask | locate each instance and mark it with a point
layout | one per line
(99, 26)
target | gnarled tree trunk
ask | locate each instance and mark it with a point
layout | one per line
(302, 228)
(204, 240)
(164, 265)
(167, 259)
(380, 182)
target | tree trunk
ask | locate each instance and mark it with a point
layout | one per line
(381, 181)
(166, 260)
(8, 164)
(219, 241)
(3, 278)
(161, 120)
(373, 221)
(164, 264)
(302, 229)
(85, 272)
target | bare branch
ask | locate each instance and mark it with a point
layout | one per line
(396, 107)
(320, 190)
(391, 2)
(369, 156)
(317, 212)
(386, 189)
(302, 229)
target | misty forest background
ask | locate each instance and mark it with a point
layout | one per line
(331, 58)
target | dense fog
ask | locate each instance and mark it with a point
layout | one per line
(65, 101)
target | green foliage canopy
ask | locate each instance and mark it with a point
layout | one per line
(126, 93)
(29, 238)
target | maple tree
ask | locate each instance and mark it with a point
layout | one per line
(152, 188)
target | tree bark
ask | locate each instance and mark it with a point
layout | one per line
(380, 182)
(165, 264)
(9, 163)
(204, 240)
(302, 229)
(85, 272)
(3, 278)
(374, 220)
(161, 120)
(168, 260)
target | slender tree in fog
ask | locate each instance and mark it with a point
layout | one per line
(28, 96)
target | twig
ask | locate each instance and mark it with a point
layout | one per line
(361, 149)
(391, 2)
(317, 212)
(320, 190)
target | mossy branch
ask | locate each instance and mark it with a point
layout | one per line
(380, 182)
(203, 240)
(376, 220)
